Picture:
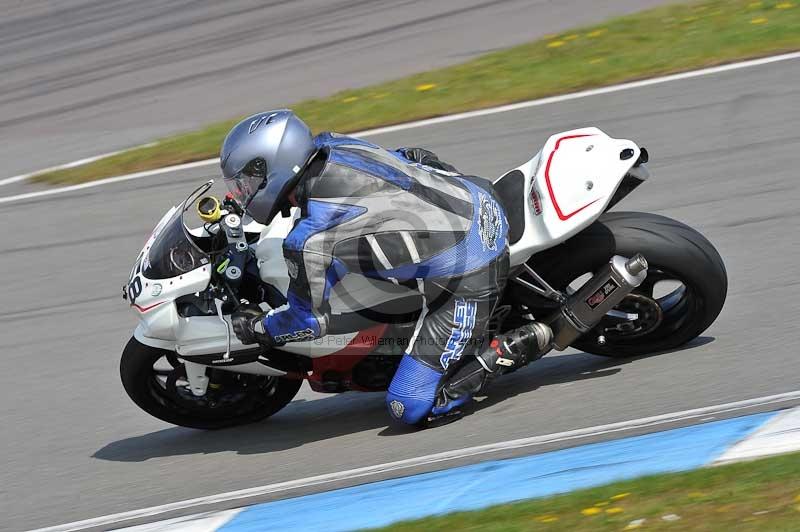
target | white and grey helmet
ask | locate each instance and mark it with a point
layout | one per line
(261, 160)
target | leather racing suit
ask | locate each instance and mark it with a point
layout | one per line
(373, 212)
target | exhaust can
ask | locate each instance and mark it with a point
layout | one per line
(586, 307)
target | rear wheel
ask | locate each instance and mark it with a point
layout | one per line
(683, 294)
(156, 381)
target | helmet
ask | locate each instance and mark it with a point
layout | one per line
(261, 159)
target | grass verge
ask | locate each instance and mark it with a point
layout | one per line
(752, 496)
(654, 42)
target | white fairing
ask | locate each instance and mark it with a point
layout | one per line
(573, 179)
(568, 186)
(161, 326)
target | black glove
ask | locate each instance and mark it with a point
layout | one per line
(428, 158)
(248, 325)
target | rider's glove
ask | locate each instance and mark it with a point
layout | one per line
(248, 325)
(428, 158)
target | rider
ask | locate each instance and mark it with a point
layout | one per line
(400, 216)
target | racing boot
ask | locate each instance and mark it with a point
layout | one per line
(505, 354)
(517, 348)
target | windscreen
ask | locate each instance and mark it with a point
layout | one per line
(173, 253)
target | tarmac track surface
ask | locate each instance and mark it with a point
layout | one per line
(724, 159)
(85, 77)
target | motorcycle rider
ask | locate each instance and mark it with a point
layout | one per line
(400, 216)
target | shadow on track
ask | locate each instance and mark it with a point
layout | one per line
(337, 415)
(596, 366)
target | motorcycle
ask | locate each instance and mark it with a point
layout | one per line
(618, 284)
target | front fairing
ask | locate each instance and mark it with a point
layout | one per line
(169, 266)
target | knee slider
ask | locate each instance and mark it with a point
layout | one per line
(412, 391)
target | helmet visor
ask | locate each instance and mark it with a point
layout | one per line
(246, 183)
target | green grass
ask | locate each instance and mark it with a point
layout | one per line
(753, 496)
(654, 42)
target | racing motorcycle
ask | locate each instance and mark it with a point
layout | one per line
(618, 284)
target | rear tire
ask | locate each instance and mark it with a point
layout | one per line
(252, 398)
(673, 251)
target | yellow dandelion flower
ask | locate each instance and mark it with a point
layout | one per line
(601, 504)
(380, 95)
(619, 496)
(547, 518)
(784, 5)
(614, 510)
(596, 33)
(426, 87)
(555, 44)
(590, 511)
(759, 20)
(350, 99)
(797, 499)
(696, 494)
(571, 37)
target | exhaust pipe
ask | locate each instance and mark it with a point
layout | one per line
(585, 308)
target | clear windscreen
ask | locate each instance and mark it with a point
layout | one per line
(174, 251)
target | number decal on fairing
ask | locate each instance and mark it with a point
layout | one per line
(134, 282)
(135, 289)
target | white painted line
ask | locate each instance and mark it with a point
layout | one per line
(361, 472)
(23, 177)
(108, 180)
(582, 94)
(207, 522)
(777, 436)
(427, 122)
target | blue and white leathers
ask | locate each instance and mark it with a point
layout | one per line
(447, 333)
(371, 212)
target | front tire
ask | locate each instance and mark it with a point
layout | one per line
(234, 399)
(675, 252)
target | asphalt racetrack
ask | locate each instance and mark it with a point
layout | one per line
(724, 152)
(85, 77)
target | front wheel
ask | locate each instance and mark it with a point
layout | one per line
(683, 293)
(156, 381)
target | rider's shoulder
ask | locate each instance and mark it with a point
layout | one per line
(330, 140)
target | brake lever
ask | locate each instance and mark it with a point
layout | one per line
(218, 303)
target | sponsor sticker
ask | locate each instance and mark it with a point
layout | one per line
(296, 336)
(255, 124)
(464, 319)
(490, 222)
(537, 203)
(292, 268)
(397, 408)
(602, 293)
